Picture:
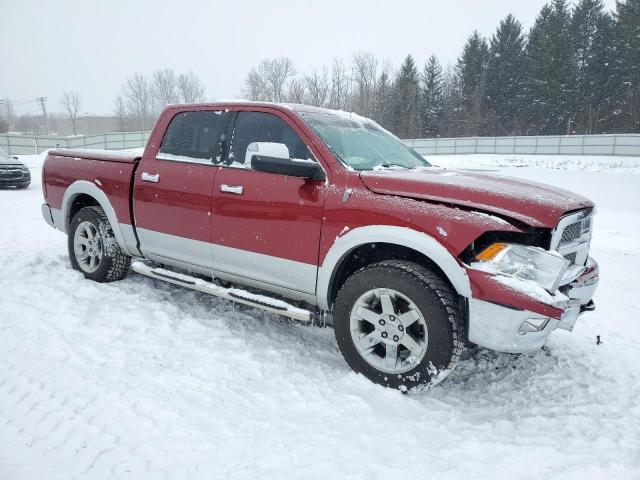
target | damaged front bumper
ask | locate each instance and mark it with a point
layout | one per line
(506, 320)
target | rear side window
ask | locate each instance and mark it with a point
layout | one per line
(267, 134)
(194, 137)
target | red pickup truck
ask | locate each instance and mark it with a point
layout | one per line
(319, 214)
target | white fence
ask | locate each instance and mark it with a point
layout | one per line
(28, 145)
(617, 145)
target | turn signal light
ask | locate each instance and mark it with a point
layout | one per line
(491, 252)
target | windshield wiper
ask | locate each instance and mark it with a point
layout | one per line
(391, 165)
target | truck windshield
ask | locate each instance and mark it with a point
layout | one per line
(361, 143)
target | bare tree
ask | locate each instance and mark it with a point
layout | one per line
(254, 86)
(72, 102)
(275, 73)
(317, 87)
(339, 85)
(269, 80)
(296, 91)
(164, 88)
(120, 111)
(365, 69)
(138, 96)
(190, 88)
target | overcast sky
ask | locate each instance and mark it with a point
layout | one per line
(91, 45)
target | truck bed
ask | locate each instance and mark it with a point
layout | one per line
(109, 172)
(120, 156)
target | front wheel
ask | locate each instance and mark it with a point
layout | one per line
(398, 323)
(93, 248)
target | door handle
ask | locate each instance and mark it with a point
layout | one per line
(235, 189)
(147, 177)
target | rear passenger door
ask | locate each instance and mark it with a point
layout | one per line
(266, 226)
(173, 188)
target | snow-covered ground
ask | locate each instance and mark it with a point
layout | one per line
(140, 379)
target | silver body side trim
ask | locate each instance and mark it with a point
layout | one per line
(282, 272)
(56, 217)
(46, 214)
(406, 237)
(286, 277)
(309, 298)
(172, 247)
(130, 240)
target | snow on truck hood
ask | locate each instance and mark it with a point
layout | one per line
(535, 204)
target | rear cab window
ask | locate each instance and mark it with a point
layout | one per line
(194, 137)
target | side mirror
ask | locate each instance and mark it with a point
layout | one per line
(269, 149)
(288, 166)
(15, 157)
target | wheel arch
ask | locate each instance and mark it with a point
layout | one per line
(388, 242)
(83, 193)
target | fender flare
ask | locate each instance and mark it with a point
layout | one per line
(406, 237)
(85, 187)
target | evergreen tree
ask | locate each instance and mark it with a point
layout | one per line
(592, 34)
(471, 72)
(448, 125)
(551, 88)
(406, 100)
(506, 75)
(383, 101)
(432, 97)
(628, 63)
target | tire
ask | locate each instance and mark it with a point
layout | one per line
(425, 326)
(90, 231)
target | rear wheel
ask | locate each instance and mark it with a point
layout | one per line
(397, 323)
(93, 249)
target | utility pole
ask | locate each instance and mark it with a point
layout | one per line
(44, 112)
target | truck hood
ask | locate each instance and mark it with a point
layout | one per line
(532, 203)
(10, 161)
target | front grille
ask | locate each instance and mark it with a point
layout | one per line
(11, 173)
(571, 233)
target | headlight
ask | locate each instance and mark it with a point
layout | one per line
(545, 268)
(24, 168)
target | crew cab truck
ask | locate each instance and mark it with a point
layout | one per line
(305, 211)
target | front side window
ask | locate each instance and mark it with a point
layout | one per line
(361, 143)
(264, 134)
(194, 137)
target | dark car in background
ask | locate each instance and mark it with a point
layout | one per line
(13, 173)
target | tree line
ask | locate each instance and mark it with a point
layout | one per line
(142, 98)
(577, 70)
(136, 107)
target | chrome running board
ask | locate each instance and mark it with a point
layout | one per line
(234, 294)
